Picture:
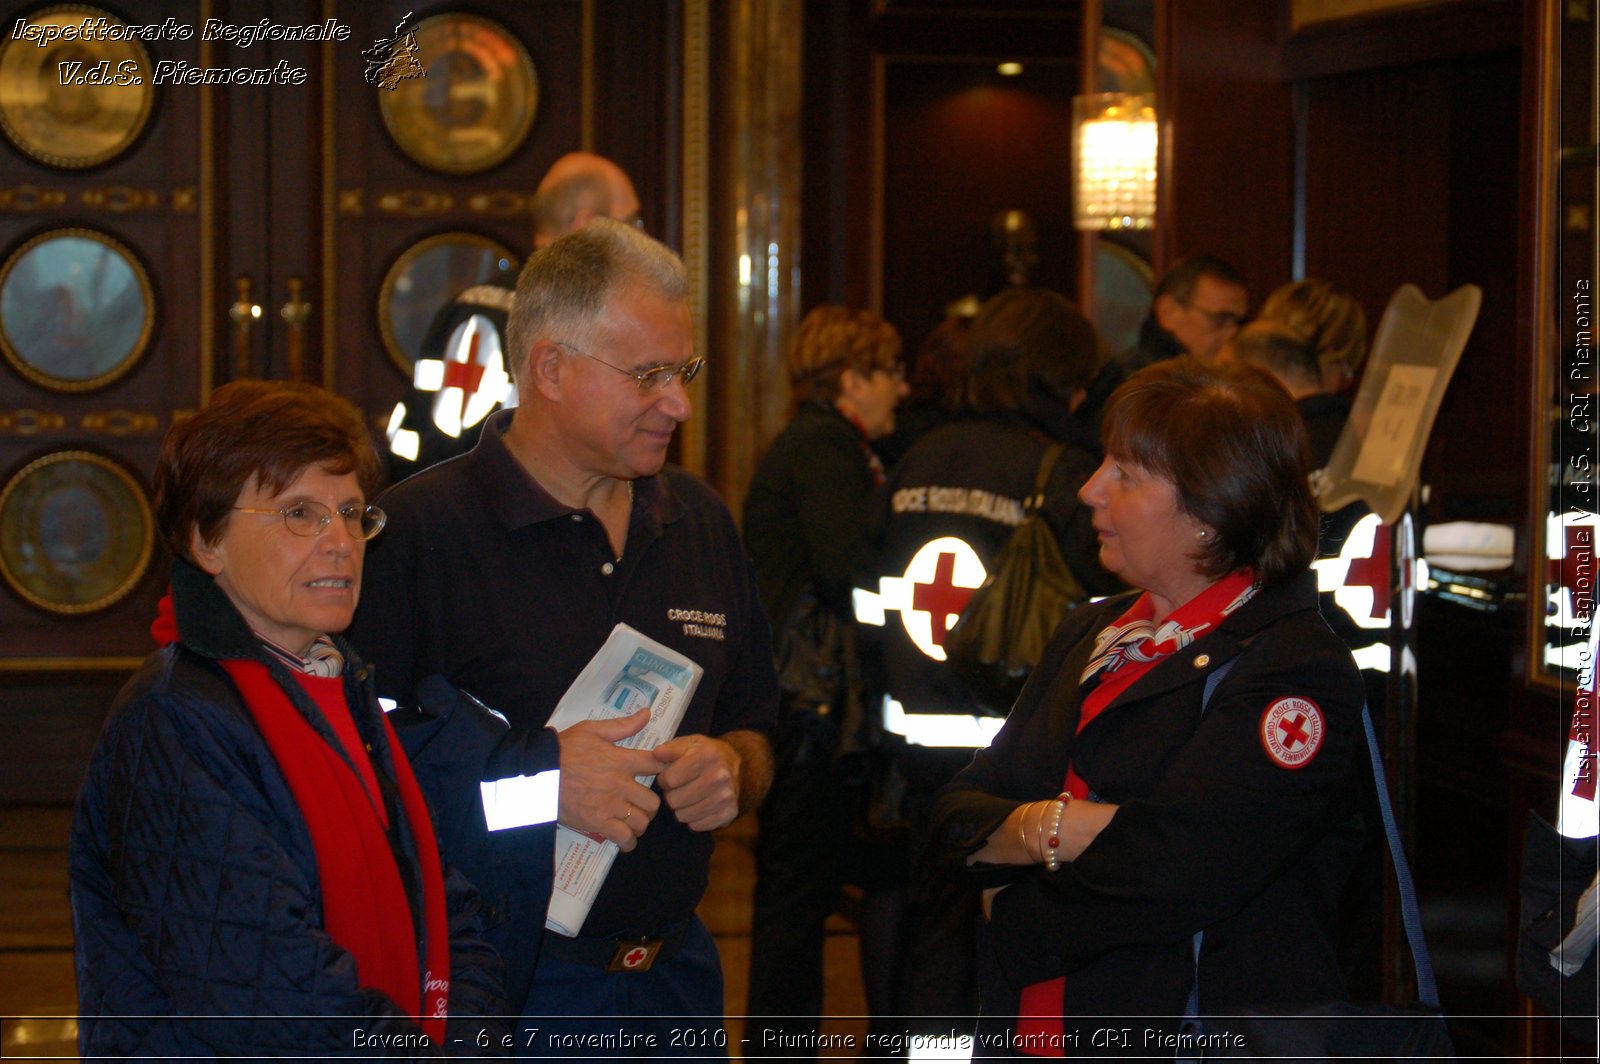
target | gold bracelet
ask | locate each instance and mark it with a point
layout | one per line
(1038, 830)
(1042, 809)
(1038, 817)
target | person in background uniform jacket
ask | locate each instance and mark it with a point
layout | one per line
(948, 509)
(253, 867)
(1312, 338)
(445, 417)
(1033, 356)
(1197, 307)
(1292, 362)
(1327, 319)
(937, 378)
(805, 524)
(507, 568)
(1120, 811)
(807, 510)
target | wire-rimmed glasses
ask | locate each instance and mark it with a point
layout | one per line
(309, 518)
(650, 380)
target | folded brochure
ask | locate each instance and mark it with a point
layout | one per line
(631, 671)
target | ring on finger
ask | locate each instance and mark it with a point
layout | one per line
(629, 813)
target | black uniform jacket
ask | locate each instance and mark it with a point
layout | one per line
(806, 513)
(491, 301)
(1212, 833)
(970, 480)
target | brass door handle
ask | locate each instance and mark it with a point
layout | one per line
(244, 314)
(295, 313)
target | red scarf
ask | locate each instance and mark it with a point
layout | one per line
(1124, 651)
(364, 904)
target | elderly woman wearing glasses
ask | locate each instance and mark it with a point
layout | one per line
(253, 867)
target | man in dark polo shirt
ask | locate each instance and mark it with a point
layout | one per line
(505, 569)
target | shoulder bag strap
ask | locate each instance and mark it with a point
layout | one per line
(1410, 912)
(1047, 465)
(1191, 1008)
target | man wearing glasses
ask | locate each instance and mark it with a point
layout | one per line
(1198, 307)
(505, 570)
(439, 417)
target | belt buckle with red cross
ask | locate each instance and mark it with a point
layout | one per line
(634, 955)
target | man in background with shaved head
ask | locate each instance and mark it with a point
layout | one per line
(461, 375)
(578, 188)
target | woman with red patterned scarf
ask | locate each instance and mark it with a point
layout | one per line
(1182, 771)
(253, 868)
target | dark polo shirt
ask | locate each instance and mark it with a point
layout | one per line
(484, 577)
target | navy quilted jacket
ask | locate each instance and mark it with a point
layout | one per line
(196, 907)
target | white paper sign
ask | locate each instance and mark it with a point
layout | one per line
(1394, 425)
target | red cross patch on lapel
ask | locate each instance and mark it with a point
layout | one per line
(1291, 731)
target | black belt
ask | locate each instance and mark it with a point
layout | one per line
(617, 953)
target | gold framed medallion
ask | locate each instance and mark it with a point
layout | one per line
(476, 103)
(76, 100)
(425, 277)
(76, 532)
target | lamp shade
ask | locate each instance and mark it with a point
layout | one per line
(1114, 161)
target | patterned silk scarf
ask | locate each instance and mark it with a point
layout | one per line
(322, 659)
(1124, 651)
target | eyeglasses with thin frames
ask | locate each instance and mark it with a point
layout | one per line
(309, 518)
(649, 380)
(1218, 319)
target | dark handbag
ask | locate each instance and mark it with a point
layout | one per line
(1555, 871)
(1340, 1029)
(1009, 620)
(815, 656)
(882, 817)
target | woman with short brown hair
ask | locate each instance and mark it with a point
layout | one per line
(253, 868)
(805, 525)
(1186, 758)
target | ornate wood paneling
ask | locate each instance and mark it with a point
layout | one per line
(299, 188)
(150, 199)
(960, 144)
(385, 202)
(914, 142)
